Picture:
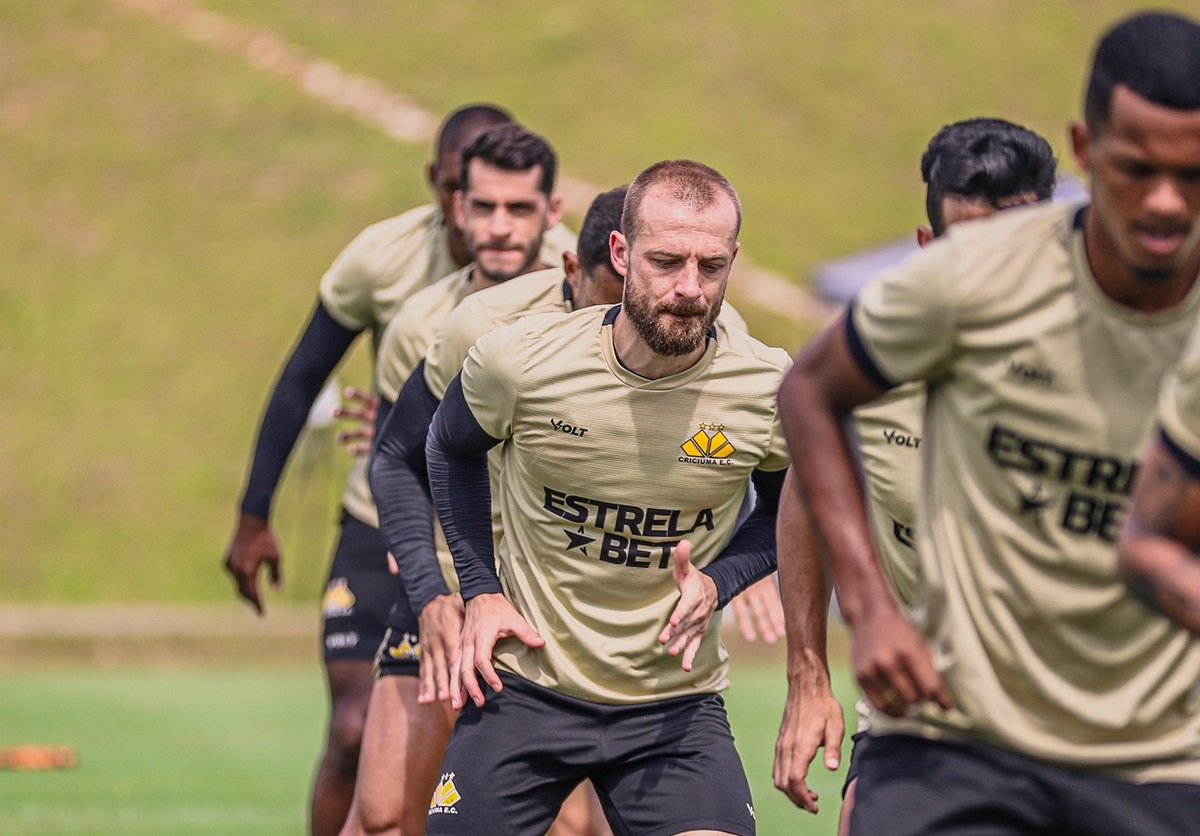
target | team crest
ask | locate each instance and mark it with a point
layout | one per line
(407, 649)
(708, 446)
(445, 796)
(338, 599)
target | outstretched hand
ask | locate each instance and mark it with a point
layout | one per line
(253, 544)
(697, 602)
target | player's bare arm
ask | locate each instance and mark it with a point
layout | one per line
(320, 348)
(892, 660)
(758, 611)
(812, 715)
(1159, 554)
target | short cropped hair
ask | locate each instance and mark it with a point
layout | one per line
(466, 122)
(602, 218)
(512, 148)
(691, 183)
(988, 160)
(1154, 54)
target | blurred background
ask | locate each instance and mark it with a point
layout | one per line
(177, 175)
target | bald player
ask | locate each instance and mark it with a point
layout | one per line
(387, 263)
(972, 169)
(1030, 694)
(627, 436)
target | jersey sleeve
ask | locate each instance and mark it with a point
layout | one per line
(347, 286)
(388, 368)
(1179, 405)
(901, 326)
(490, 377)
(449, 350)
(732, 318)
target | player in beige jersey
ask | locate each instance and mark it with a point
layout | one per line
(628, 436)
(1035, 695)
(972, 169)
(368, 282)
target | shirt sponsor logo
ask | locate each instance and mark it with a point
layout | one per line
(569, 429)
(338, 600)
(620, 532)
(408, 649)
(1028, 373)
(708, 446)
(904, 534)
(901, 440)
(445, 796)
(1096, 484)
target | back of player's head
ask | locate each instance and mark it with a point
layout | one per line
(512, 148)
(688, 182)
(602, 218)
(466, 123)
(990, 161)
(1154, 54)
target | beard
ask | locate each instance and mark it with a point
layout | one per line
(658, 328)
(503, 272)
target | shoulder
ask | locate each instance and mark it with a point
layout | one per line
(415, 223)
(736, 344)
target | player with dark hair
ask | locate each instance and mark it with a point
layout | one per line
(1014, 166)
(1030, 693)
(626, 438)
(380, 269)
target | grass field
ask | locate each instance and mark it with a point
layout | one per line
(229, 750)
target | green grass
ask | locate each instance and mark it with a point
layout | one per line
(231, 750)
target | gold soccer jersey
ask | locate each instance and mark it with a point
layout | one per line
(1179, 403)
(602, 473)
(404, 342)
(1041, 395)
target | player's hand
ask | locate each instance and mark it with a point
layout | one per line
(488, 618)
(812, 719)
(440, 624)
(757, 610)
(894, 663)
(697, 602)
(360, 407)
(253, 544)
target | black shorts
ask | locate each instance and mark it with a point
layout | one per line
(858, 747)
(659, 768)
(909, 785)
(358, 592)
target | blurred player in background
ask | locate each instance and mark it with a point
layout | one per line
(972, 169)
(1032, 691)
(387, 263)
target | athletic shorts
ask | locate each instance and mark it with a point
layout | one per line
(659, 768)
(860, 741)
(910, 786)
(357, 594)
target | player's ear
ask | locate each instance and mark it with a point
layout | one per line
(460, 209)
(431, 169)
(571, 266)
(618, 252)
(1081, 144)
(924, 236)
(554, 213)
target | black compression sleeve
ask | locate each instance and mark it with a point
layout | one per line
(750, 554)
(458, 475)
(401, 489)
(316, 354)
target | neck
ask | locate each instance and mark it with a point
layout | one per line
(458, 246)
(1123, 285)
(638, 357)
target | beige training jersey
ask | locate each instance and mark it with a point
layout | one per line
(1179, 402)
(603, 472)
(1041, 395)
(404, 342)
(377, 273)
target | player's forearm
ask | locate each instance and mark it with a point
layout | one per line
(1164, 575)
(456, 453)
(405, 508)
(830, 489)
(750, 554)
(804, 586)
(315, 356)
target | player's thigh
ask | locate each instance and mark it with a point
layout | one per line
(511, 763)
(910, 786)
(358, 593)
(671, 767)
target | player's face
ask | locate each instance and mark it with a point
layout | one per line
(503, 215)
(676, 270)
(1144, 164)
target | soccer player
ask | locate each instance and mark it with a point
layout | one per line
(1032, 695)
(627, 436)
(362, 290)
(972, 169)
